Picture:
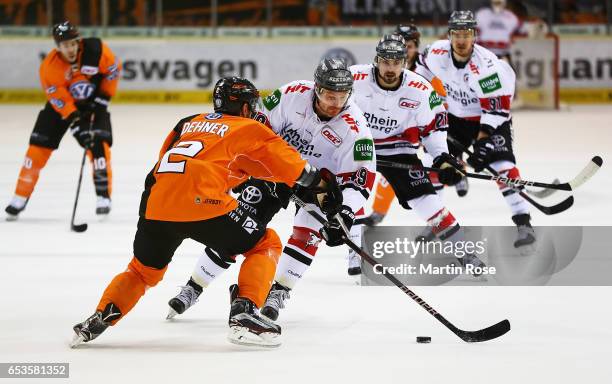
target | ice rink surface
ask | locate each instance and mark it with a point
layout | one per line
(333, 330)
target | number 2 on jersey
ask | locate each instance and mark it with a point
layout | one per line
(183, 148)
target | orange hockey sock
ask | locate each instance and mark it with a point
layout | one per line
(128, 287)
(258, 269)
(383, 197)
(35, 159)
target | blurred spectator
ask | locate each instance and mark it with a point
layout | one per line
(496, 26)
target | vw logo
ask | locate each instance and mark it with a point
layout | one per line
(416, 174)
(251, 195)
(498, 140)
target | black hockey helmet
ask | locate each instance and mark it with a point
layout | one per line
(409, 32)
(391, 47)
(64, 31)
(334, 75)
(462, 20)
(231, 93)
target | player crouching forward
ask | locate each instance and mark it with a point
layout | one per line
(79, 78)
(186, 196)
(479, 88)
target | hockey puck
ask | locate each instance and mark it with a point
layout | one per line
(423, 339)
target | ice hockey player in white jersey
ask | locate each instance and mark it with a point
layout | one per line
(403, 111)
(327, 128)
(496, 27)
(479, 90)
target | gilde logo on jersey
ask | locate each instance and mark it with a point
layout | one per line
(331, 136)
(363, 150)
(408, 103)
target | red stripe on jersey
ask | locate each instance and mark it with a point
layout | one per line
(497, 103)
(305, 239)
(426, 130)
(411, 135)
(362, 177)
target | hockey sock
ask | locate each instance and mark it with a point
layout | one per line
(515, 201)
(35, 159)
(297, 256)
(209, 266)
(383, 197)
(258, 268)
(128, 287)
(100, 157)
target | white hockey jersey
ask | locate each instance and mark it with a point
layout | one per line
(343, 144)
(401, 119)
(481, 90)
(495, 29)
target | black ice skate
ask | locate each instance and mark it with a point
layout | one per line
(15, 207)
(426, 235)
(354, 265)
(94, 325)
(374, 219)
(275, 301)
(103, 205)
(472, 264)
(248, 328)
(462, 187)
(526, 237)
(183, 301)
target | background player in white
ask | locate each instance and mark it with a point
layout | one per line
(479, 90)
(403, 111)
(496, 27)
(323, 123)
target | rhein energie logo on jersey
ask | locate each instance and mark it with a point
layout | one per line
(490, 84)
(364, 150)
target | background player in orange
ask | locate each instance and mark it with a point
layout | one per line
(187, 196)
(79, 77)
(384, 192)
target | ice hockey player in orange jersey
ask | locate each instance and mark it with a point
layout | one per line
(187, 196)
(79, 78)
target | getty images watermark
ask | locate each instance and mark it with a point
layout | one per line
(411, 248)
(562, 256)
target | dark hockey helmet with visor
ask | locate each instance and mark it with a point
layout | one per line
(65, 31)
(462, 20)
(391, 47)
(231, 93)
(409, 32)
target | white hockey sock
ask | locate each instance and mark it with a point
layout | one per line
(517, 204)
(297, 256)
(209, 267)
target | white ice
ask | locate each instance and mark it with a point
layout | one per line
(333, 331)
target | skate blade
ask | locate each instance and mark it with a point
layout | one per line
(528, 249)
(76, 341)
(12, 217)
(171, 314)
(242, 336)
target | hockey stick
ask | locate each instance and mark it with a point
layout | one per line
(78, 227)
(544, 192)
(548, 210)
(480, 335)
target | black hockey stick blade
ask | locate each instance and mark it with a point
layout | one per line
(550, 210)
(79, 227)
(490, 333)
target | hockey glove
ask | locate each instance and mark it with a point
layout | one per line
(321, 188)
(483, 148)
(80, 124)
(451, 169)
(333, 233)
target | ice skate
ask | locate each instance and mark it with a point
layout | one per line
(462, 187)
(15, 207)
(470, 262)
(354, 266)
(183, 301)
(248, 328)
(275, 301)
(526, 238)
(94, 325)
(374, 219)
(103, 206)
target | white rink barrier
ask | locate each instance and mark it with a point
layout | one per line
(186, 70)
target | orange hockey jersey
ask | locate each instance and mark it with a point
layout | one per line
(66, 84)
(204, 157)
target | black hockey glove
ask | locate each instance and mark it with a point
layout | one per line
(333, 233)
(80, 127)
(98, 105)
(482, 151)
(313, 183)
(451, 169)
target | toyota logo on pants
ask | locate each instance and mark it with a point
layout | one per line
(251, 195)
